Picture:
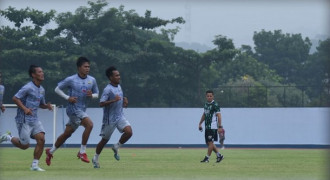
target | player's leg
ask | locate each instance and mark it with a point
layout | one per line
(99, 148)
(128, 132)
(106, 132)
(124, 127)
(40, 139)
(208, 140)
(87, 123)
(214, 148)
(63, 137)
(59, 141)
(23, 142)
(16, 142)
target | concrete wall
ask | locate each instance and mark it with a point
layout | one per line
(180, 125)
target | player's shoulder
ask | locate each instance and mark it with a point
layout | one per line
(72, 77)
(28, 86)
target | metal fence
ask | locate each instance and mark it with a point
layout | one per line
(273, 96)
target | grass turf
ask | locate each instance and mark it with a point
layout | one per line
(135, 163)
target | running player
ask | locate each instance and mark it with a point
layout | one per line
(81, 88)
(28, 99)
(113, 101)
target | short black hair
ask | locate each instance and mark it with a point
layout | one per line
(209, 91)
(32, 69)
(109, 71)
(81, 60)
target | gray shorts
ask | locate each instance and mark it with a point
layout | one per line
(75, 119)
(28, 130)
(108, 129)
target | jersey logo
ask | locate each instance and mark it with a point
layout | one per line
(84, 89)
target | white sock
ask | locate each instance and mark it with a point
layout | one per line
(52, 150)
(119, 145)
(96, 157)
(9, 137)
(83, 149)
(35, 162)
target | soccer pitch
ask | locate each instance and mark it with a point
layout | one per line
(177, 164)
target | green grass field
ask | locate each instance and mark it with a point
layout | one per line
(239, 164)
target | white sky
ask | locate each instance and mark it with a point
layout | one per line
(236, 19)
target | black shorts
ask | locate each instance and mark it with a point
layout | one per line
(211, 135)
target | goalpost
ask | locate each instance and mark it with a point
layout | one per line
(54, 112)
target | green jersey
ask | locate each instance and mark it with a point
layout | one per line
(210, 111)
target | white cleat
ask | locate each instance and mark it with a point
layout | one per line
(115, 151)
(4, 138)
(37, 168)
(96, 164)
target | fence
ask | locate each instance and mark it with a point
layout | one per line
(273, 96)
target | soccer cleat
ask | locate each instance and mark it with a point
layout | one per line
(4, 138)
(36, 168)
(49, 156)
(220, 158)
(83, 157)
(206, 159)
(96, 164)
(116, 155)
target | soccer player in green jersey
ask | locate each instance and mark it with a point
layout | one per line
(212, 118)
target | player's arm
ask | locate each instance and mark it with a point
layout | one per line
(46, 106)
(63, 95)
(19, 103)
(105, 103)
(219, 121)
(201, 122)
(95, 92)
(92, 95)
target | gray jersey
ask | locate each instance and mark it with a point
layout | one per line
(113, 112)
(78, 87)
(31, 96)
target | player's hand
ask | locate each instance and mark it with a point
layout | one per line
(49, 106)
(3, 108)
(28, 111)
(117, 98)
(125, 103)
(89, 93)
(200, 128)
(72, 99)
(219, 130)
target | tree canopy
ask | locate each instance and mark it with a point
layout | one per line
(154, 71)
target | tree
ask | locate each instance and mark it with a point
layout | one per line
(285, 53)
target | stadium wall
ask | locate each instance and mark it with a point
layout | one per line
(172, 127)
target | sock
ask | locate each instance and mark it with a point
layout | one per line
(52, 150)
(218, 154)
(96, 157)
(207, 156)
(9, 137)
(35, 162)
(118, 145)
(83, 149)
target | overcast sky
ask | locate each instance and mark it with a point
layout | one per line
(236, 19)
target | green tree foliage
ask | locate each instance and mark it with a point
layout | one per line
(285, 53)
(154, 72)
